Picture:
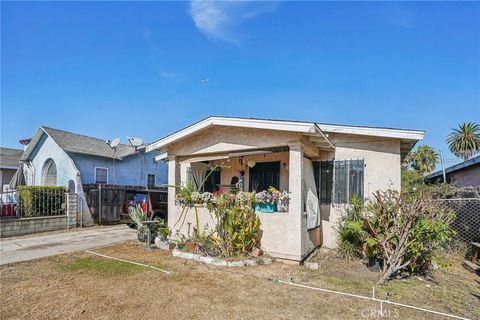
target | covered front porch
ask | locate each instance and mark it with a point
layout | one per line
(252, 157)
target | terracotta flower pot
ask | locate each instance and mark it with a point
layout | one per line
(190, 246)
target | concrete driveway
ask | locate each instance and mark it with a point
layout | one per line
(34, 247)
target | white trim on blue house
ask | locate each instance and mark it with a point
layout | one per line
(95, 173)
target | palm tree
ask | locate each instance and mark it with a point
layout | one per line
(464, 142)
(424, 159)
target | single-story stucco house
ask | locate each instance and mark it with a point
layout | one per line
(9, 163)
(60, 158)
(332, 162)
(463, 174)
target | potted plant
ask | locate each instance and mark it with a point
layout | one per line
(207, 197)
(163, 232)
(264, 202)
(197, 199)
(137, 216)
(283, 200)
(372, 251)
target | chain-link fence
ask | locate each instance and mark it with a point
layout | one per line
(467, 222)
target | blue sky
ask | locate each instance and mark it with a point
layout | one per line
(112, 69)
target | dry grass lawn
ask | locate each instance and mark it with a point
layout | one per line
(82, 286)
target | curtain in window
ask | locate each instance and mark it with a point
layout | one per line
(348, 180)
(310, 195)
(199, 171)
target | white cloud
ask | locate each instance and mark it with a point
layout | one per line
(168, 74)
(218, 19)
(147, 35)
(401, 17)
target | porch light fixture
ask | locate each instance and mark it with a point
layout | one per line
(251, 163)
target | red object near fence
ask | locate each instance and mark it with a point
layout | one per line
(8, 210)
(144, 206)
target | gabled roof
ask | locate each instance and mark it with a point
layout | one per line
(10, 158)
(408, 137)
(459, 166)
(77, 143)
(307, 128)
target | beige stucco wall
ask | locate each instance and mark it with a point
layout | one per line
(284, 235)
(382, 171)
(220, 139)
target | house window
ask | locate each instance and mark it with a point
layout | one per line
(212, 181)
(101, 175)
(348, 180)
(49, 173)
(150, 181)
(71, 186)
(324, 180)
(263, 175)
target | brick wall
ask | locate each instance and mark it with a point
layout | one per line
(23, 226)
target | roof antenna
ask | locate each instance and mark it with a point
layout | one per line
(135, 143)
(113, 145)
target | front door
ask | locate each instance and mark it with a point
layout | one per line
(263, 175)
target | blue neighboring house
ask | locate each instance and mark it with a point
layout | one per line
(60, 158)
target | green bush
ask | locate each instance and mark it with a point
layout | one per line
(237, 224)
(406, 231)
(351, 234)
(37, 201)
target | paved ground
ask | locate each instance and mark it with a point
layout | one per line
(34, 247)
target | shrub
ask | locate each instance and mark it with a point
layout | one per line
(37, 201)
(406, 231)
(351, 234)
(137, 216)
(237, 225)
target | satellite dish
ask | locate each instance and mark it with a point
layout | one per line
(114, 143)
(135, 142)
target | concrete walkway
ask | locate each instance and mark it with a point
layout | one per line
(34, 247)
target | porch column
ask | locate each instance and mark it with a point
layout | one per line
(295, 208)
(173, 180)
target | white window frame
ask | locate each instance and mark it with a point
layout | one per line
(154, 179)
(95, 174)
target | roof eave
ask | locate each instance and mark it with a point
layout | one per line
(306, 127)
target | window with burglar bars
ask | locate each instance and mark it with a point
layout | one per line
(150, 180)
(339, 180)
(264, 175)
(348, 180)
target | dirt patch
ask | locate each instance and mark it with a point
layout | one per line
(198, 291)
(331, 264)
